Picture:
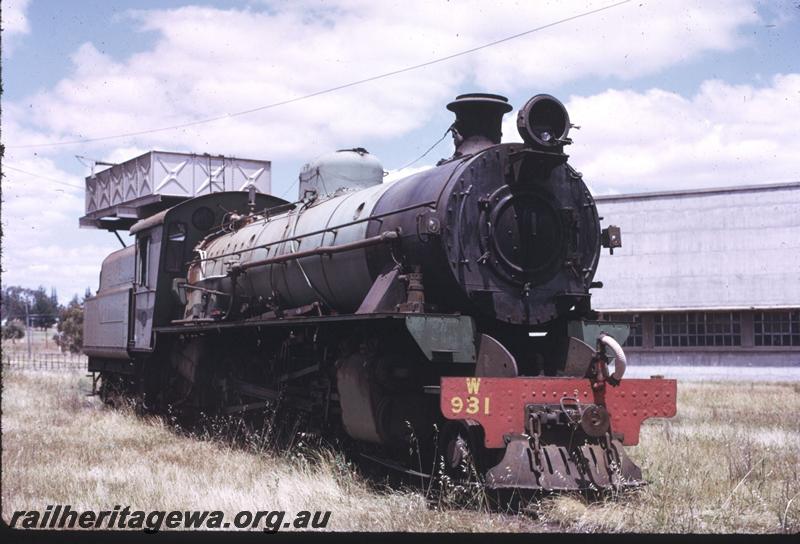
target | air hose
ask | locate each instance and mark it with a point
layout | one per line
(620, 359)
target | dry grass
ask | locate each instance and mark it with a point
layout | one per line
(729, 462)
(61, 447)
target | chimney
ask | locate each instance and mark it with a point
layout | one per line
(479, 117)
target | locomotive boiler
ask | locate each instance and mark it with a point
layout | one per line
(450, 308)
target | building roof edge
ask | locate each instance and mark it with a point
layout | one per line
(701, 192)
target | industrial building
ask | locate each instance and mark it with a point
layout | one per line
(706, 277)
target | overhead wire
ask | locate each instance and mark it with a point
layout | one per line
(324, 91)
(286, 192)
(426, 152)
(21, 171)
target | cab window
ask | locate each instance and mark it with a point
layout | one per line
(142, 271)
(176, 242)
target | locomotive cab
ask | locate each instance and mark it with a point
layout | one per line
(139, 285)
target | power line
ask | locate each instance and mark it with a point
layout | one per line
(286, 192)
(5, 165)
(324, 91)
(446, 132)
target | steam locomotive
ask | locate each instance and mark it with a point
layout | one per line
(450, 308)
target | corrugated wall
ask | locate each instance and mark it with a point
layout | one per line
(715, 249)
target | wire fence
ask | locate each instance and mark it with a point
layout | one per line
(44, 361)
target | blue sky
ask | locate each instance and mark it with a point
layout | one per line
(668, 94)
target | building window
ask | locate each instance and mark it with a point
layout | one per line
(697, 329)
(634, 322)
(776, 328)
(635, 336)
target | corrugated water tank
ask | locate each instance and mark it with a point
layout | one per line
(140, 187)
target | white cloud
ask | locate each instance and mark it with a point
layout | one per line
(723, 135)
(630, 41)
(121, 154)
(658, 140)
(15, 23)
(39, 218)
(206, 62)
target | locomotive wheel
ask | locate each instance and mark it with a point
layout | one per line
(114, 391)
(460, 448)
(108, 391)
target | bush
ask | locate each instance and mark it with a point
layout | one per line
(70, 327)
(13, 330)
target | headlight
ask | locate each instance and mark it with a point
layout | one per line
(543, 121)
